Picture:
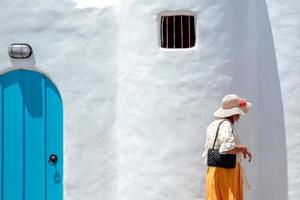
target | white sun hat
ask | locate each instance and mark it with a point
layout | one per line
(232, 105)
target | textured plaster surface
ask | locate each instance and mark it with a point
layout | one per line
(166, 98)
(77, 50)
(135, 115)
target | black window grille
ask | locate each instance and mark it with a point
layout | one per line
(177, 31)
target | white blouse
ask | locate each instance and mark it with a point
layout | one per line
(226, 141)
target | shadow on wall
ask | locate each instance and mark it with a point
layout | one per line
(254, 74)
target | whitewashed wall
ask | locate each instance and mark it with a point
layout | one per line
(166, 98)
(135, 115)
(77, 49)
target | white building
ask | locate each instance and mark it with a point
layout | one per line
(135, 114)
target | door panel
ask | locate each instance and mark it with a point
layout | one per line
(34, 131)
(13, 144)
(31, 123)
(54, 125)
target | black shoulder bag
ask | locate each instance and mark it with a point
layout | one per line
(215, 159)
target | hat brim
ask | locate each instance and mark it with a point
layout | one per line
(222, 113)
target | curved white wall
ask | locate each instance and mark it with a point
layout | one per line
(166, 98)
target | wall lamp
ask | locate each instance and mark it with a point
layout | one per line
(19, 50)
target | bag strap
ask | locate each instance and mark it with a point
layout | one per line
(218, 132)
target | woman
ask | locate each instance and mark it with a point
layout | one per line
(223, 183)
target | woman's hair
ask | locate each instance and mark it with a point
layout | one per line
(232, 118)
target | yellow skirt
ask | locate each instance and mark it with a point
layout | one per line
(224, 184)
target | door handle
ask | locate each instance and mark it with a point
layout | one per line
(53, 159)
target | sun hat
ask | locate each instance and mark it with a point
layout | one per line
(231, 105)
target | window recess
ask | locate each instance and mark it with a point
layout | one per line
(177, 31)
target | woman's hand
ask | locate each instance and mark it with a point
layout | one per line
(241, 148)
(249, 155)
(246, 152)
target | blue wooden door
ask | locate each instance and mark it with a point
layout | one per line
(31, 131)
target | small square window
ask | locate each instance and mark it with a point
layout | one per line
(177, 31)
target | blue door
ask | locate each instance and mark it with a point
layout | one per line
(31, 139)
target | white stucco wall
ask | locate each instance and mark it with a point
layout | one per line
(135, 115)
(166, 98)
(77, 49)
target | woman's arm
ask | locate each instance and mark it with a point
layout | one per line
(240, 148)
